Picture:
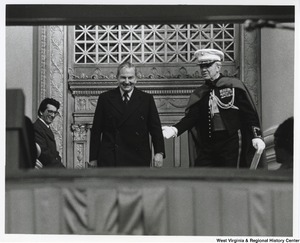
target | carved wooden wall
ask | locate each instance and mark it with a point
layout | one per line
(52, 77)
(73, 72)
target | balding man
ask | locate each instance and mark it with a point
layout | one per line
(124, 119)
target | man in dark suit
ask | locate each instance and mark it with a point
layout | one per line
(44, 136)
(124, 118)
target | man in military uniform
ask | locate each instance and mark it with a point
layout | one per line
(224, 127)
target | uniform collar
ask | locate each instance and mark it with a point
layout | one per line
(213, 83)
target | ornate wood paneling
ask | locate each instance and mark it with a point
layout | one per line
(80, 146)
(52, 75)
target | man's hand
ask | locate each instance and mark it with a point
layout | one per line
(92, 163)
(169, 131)
(258, 144)
(158, 160)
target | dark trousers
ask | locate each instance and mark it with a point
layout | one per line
(221, 150)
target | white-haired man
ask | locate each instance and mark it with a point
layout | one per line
(223, 124)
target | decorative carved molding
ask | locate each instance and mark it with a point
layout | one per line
(80, 138)
(146, 73)
(79, 132)
(52, 73)
(79, 162)
(85, 103)
(48, 81)
(43, 58)
(172, 104)
(155, 87)
(80, 104)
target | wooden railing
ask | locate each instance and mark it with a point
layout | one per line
(132, 201)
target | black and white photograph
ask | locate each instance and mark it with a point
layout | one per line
(131, 121)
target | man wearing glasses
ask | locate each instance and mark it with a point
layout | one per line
(223, 124)
(44, 136)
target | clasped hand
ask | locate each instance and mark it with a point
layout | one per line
(169, 131)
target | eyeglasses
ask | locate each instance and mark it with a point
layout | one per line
(206, 65)
(55, 113)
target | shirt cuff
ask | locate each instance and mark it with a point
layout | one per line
(256, 132)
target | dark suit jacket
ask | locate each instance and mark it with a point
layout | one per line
(120, 133)
(45, 138)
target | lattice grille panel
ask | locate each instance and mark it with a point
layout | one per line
(145, 44)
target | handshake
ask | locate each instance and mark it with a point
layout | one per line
(169, 131)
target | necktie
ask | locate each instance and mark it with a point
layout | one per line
(126, 97)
